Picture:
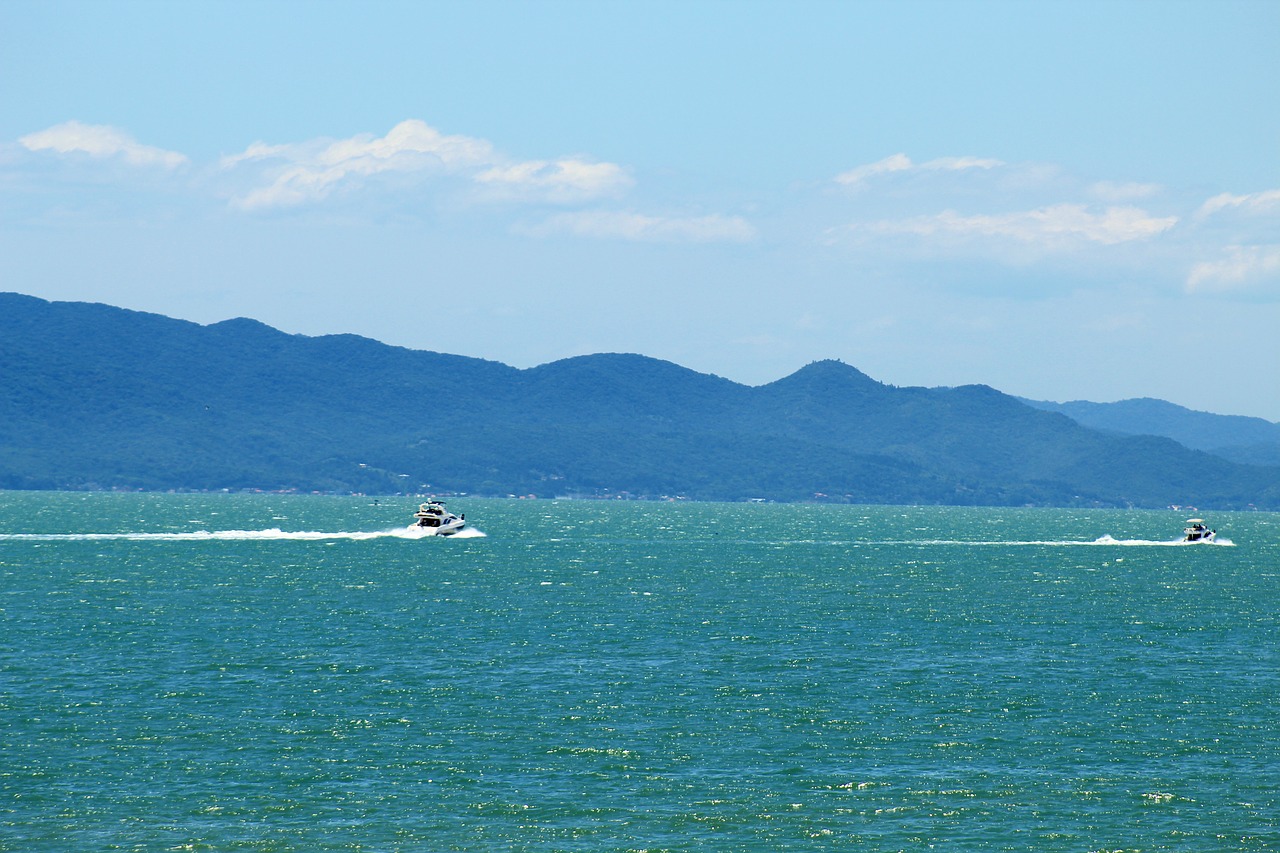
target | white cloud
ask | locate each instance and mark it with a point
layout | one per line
(1255, 203)
(959, 164)
(562, 180)
(310, 172)
(894, 163)
(1050, 227)
(101, 141)
(638, 227)
(902, 163)
(256, 151)
(1117, 192)
(1243, 267)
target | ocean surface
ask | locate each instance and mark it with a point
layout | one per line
(296, 673)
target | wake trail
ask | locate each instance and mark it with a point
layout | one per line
(1220, 542)
(271, 534)
(1106, 540)
(276, 534)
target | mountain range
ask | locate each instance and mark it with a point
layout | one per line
(1252, 441)
(98, 397)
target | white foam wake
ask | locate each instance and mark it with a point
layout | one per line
(1177, 543)
(270, 534)
(1058, 543)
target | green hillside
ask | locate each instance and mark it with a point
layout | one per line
(93, 396)
(1241, 439)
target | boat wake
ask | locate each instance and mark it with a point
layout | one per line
(271, 534)
(1177, 543)
(1062, 543)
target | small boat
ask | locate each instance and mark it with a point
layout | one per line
(1196, 531)
(433, 517)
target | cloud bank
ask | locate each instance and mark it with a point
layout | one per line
(902, 163)
(101, 142)
(895, 211)
(1034, 217)
(412, 158)
(1242, 268)
(297, 174)
(1254, 203)
(1055, 226)
(641, 228)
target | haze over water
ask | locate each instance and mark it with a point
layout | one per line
(270, 673)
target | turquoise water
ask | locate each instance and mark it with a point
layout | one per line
(632, 676)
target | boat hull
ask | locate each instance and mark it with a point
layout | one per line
(446, 529)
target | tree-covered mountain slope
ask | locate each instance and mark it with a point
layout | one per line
(93, 396)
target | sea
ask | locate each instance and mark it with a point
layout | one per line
(232, 672)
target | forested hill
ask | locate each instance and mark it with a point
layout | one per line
(1242, 439)
(93, 396)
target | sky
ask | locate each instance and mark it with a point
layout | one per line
(1062, 200)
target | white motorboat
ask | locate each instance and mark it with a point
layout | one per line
(1196, 531)
(434, 519)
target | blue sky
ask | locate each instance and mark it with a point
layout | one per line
(1066, 200)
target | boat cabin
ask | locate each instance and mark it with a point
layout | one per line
(1197, 531)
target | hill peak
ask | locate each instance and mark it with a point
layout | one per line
(829, 372)
(243, 326)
